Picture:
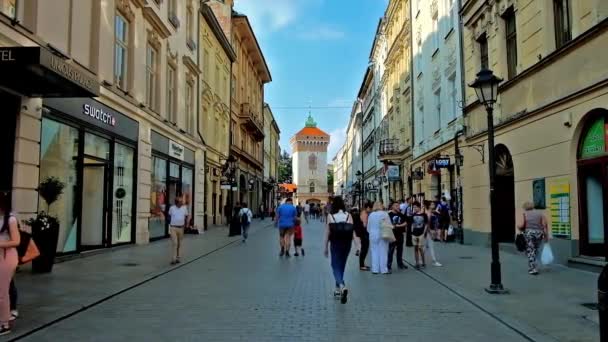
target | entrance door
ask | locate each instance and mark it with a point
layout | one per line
(593, 183)
(94, 204)
(503, 212)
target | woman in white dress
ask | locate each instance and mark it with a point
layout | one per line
(378, 246)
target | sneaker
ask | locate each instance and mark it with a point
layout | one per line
(282, 253)
(337, 293)
(296, 254)
(423, 265)
(344, 295)
(287, 254)
(5, 330)
(402, 267)
(417, 267)
(533, 272)
(436, 264)
(14, 315)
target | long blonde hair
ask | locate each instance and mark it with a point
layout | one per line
(378, 206)
(528, 205)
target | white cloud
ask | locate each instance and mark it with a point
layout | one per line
(322, 33)
(337, 139)
(269, 15)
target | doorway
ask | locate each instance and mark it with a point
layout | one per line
(94, 220)
(503, 211)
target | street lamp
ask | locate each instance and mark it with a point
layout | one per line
(229, 173)
(486, 88)
(359, 175)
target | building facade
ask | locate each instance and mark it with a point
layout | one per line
(550, 124)
(437, 84)
(271, 158)
(111, 114)
(309, 163)
(216, 60)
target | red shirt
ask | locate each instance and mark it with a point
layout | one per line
(298, 232)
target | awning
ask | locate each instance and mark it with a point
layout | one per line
(37, 72)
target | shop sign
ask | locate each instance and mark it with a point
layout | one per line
(176, 150)
(99, 114)
(392, 173)
(559, 194)
(435, 165)
(6, 56)
(594, 142)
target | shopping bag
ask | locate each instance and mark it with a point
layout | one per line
(387, 231)
(546, 256)
(450, 230)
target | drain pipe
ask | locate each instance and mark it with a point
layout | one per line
(458, 158)
(198, 129)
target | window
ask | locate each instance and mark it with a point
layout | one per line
(9, 8)
(151, 77)
(189, 108)
(438, 107)
(563, 29)
(233, 132)
(121, 50)
(449, 12)
(171, 93)
(435, 34)
(206, 63)
(453, 93)
(511, 40)
(233, 87)
(483, 51)
(312, 187)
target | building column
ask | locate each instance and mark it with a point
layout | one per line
(144, 183)
(199, 188)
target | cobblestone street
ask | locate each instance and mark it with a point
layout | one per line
(245, 292)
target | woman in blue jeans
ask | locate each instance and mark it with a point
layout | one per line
(338, 241)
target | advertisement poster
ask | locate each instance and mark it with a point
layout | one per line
(559, 194)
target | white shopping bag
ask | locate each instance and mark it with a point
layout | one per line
(546, 256)
(450, 230)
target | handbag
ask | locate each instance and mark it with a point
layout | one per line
(520, 242)
(387, 231)
(27, 249)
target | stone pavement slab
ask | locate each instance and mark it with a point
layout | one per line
(81, 282)
(545, 307)
(245, 292)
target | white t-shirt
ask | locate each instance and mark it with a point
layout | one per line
(340, 216)
(307, 208)
(249, 214)
(403, 208)
(178, 215)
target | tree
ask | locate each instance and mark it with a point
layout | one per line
(285, 170)
(330, 181)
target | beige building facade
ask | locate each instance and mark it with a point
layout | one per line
(110, 111)
(271, 158)
(550, 120)
(216, 59)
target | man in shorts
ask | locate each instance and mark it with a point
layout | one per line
(419, 227)
(286, 219)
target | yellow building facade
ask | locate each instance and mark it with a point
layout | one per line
(395, 150)
(550, 120)
(271, 158)
(216, 59)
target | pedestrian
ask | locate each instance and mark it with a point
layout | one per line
(9, 240)
(262, 212)
(429, 210)
(399, 225)
(378, 245)
(298, 237)
(13, 296)
(419, 231)
(534, 226)
(235, 221)
(362, 235)
(306, 211)
(271, 212)
(286, 219)
(408, 212)
(178, 214)
(338, 240)
(245, 216)
(443, 211)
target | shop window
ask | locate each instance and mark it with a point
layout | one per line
(187, 190)
(121, 51)
(158, 198)
(483, 51)
(58, 155)
(122, 216)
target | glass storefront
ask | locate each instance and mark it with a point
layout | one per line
(97, 206)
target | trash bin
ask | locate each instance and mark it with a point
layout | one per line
(602, 303)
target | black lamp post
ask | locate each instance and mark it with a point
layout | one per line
(230, 172)
(486, 88)
(359, 175)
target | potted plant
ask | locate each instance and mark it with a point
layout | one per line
(45, 227)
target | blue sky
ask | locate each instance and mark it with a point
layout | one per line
(317, 51)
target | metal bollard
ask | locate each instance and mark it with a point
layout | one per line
(602, 301)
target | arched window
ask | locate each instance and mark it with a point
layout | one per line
(312, 162)
(312, 187)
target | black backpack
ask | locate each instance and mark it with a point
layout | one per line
(341, 230)
(245, 217)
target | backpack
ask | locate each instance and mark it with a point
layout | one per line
(245, 216)
(341, 230)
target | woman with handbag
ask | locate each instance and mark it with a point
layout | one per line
(9, 241)
(379, 226)
(534, 227)
(338, 240)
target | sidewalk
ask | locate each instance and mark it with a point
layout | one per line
(547, 307)
(76, 284)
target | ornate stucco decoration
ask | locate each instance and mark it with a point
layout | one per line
(154, 38)
(434, 9)
(124, 7)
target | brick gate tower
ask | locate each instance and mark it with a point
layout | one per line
(309, 148)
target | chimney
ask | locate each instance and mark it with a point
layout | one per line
(223, 14)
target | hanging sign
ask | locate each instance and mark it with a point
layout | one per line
(392, 173)
(594, 143)
(176, 150)
(435, 165)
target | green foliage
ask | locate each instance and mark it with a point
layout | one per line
(285, 169)
(50, 189)
(330, 181)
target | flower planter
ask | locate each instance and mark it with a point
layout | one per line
(46, 240)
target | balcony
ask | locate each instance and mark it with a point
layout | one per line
(388, 147)
(253, 125)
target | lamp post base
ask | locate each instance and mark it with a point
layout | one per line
(496, 289)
